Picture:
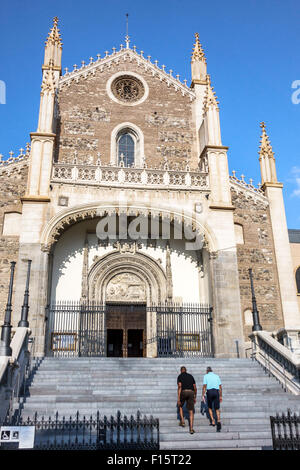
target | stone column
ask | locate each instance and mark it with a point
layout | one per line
(227, 324)
(284, 261)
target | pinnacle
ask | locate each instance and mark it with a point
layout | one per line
(210, 98)
(198, 53)
(54, 35)
(265, 144)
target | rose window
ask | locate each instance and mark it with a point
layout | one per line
(128, 89)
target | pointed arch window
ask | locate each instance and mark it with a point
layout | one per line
(298, 280)
(126, 149)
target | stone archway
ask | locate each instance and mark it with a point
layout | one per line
(127, 283)
(140, 277)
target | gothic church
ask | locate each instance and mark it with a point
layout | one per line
(122, 143)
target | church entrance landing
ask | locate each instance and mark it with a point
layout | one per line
(126, 330)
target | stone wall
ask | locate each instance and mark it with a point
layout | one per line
(258, 253)
(87, 116)
(12, 187)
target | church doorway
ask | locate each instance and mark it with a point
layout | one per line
(135, 343)
(114, 343)
(126, 329)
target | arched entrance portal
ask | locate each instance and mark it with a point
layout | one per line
(126, 283)
(127, 297)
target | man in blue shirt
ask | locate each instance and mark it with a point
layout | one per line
(213, 388)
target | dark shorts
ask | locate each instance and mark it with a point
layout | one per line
(213, 399)
(188, 397)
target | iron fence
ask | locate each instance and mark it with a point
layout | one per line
(79, 329)
(183, 330)
(75, 329)
(285, 431)
(93, 433)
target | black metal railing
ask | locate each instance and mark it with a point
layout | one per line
(93, 433)
(183, 330)
(285, 431)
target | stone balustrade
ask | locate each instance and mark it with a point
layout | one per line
(111, 175)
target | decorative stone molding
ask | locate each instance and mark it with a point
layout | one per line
(59, 223)
(127, 246)
(248, 188)
(125, 55)
(115, 275)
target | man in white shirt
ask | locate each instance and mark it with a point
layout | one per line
(212, 386)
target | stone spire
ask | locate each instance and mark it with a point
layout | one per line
(266, 158)
(53, 48)
(198, 63)
(210, 99)
(42, 141)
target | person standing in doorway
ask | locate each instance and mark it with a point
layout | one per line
(212, 386)
(187, 392)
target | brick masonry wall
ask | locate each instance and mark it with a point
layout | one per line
(257, 253)
(87, 116)
(12, 187)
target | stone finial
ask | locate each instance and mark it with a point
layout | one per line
(198, 53)
(265, 148)
(53, 48)
(198, 64)
(54, 35)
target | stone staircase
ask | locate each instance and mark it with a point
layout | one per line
(149, 385)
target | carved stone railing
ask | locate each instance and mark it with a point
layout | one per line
(277, 360)
(110, 175)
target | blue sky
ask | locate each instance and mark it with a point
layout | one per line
(252, 49)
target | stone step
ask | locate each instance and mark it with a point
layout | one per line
(208, 436)
(219, 444)
(92, 408)
(139, 402)
(109, 385)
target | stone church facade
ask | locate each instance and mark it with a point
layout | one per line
(124, 148)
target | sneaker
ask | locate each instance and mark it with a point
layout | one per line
(192, 431)
(219, 426)
(181, 424)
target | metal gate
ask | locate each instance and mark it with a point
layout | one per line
(79, 329)
(75, 329)
(183, 330)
